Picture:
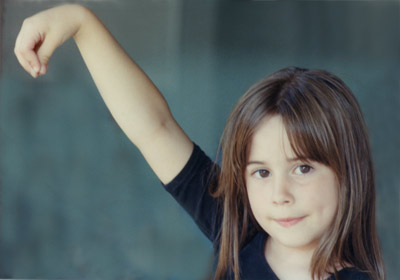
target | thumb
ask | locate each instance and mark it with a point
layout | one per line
(44, 52)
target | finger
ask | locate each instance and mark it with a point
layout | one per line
(25, 51)
(27, 66)
(43, 69)
(45, 51)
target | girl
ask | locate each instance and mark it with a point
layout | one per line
(294, 197)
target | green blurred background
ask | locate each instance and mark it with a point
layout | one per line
(77, 199)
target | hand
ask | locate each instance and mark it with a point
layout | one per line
(42, 33)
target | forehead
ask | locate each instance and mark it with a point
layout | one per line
(270, 140)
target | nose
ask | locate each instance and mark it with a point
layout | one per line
(281, 191)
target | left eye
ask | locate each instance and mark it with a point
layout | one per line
(262, 173)
(303, 169)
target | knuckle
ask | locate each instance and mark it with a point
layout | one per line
(27, 21)
(18, 52)
(21, 51)
(44, 58)
(28, 24)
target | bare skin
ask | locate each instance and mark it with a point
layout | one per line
(294, 201)
(134, 101)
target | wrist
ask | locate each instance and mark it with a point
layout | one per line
(82, 18)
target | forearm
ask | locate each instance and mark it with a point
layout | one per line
(134, 101)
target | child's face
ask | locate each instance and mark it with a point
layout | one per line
(293, 201)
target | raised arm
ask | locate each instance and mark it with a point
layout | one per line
(134, 101)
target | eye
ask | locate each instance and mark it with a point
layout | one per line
(262, 173)
(303, 169)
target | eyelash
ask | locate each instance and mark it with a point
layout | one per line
(304, 165)
(257, 173)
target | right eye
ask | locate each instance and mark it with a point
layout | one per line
(262, 173)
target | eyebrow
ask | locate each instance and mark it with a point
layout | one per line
(264, 163)
(255, 162)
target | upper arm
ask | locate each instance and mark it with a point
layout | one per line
(167, 149)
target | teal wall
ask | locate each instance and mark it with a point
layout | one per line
(77, 198)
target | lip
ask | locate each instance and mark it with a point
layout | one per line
(288, 222)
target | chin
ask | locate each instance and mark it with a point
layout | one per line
(295, 241)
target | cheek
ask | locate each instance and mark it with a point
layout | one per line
(259, 206)
(257, 201)
(325, 201)
(253, 198)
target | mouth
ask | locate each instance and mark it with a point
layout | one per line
(288, 222)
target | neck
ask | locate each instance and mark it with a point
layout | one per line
(289, 262)
(293, 257)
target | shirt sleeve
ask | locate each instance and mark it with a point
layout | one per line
(190, 188)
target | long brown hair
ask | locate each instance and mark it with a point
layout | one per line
(324, 124)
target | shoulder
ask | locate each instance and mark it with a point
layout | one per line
(191, 189)
(198, 170)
